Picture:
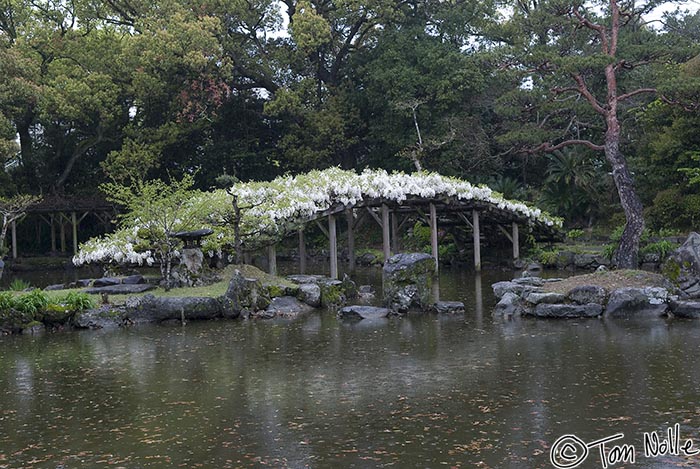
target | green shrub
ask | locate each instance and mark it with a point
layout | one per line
(32, 303)
(548, 258)
(609, 250)
(16, 311)
(575, 234)
(666, 210)
(76, 301)
(7, 301)
(666, 232)
(663, 248)
(19, 285)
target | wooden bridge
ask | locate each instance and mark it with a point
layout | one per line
(485, 220)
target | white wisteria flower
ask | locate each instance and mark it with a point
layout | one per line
(270, 210)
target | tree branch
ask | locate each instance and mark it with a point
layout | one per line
(625, 96)
(583, 89)
(548, 147)
(595, 27)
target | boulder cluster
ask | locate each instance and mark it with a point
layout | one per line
(528, 297)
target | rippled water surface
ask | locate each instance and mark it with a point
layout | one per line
(423, 391)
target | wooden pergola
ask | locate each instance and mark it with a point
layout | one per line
(63, 216)
(482, 218)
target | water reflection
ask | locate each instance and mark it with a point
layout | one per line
(422, 391)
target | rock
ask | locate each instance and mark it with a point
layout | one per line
(448, 307)
(651, 258)
(287, 307)
(510, 305)
(601, 260)
(106, 282)
(637, 302)
(692, 291)
(192, 259)
(349, 288)
(2, 267)
(531, 281)
(332, 293)
(310, 293)
(56, 314)
(58, 286)
(544, 310)
(366, 294)
(101, 318)
(536, 298)
(34, 328)
(160, 308)
(82, 283)
(583, 261)
(119, 289)
(133, 280)
(367, 259)
(585, 294)
(683, 265)
(685, 309)
(302, 279)
(277, 287)
(534, 268)
(565, 259)
(363, 312)
(501, 288)
(407, 281)
(244, 295)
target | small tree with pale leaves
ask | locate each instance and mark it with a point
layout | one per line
(158, 209)
(11, 210)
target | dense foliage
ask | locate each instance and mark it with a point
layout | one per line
(99, 91)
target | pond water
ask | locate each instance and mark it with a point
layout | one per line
(423, 391)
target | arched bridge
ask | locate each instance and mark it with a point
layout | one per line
(290, 204)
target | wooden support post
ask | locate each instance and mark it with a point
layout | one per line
(516, 242)
(385, 232)
(74, 221)
(14, 240)
(63, 233)
(272, 259)
(479, 301)
(434, 235)
(395, 248)
(477, 241)
(351, 240)
(53, 233)
(332, 236)
(302, 252)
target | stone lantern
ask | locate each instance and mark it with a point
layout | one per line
(192, 257)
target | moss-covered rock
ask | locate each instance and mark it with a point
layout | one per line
(332, 293)
(244, 294)
(407, 280)
(57, 314)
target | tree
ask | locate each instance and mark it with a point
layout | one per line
(590, 69)
(11, 210)
(157, 210)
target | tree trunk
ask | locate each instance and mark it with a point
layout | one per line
(168, 271)
(625, 256)
(25, 142)
(3, 234)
